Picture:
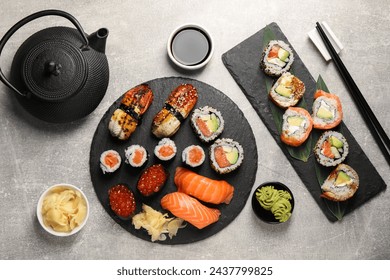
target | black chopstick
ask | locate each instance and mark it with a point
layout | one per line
(372, 122)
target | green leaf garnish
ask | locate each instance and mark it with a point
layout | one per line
(321, 84)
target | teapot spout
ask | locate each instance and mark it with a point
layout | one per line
(97, 40)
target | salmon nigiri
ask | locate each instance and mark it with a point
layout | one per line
(203, 188)
(189, 209)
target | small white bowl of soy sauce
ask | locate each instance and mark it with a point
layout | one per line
(190, 46)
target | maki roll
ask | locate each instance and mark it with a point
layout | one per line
(207, 123)
(165, 149)
(331, 148)
(341, 184)
(277, 58)
(296, 127)
(136, 155)
(110, 161)
(287, 90)
(193, 155)
(226, 155)
(327, 110)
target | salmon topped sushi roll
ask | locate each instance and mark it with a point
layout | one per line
(327, 110)
(296, 127)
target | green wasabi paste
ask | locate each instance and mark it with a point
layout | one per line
(276, 201)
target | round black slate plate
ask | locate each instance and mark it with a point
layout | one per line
(236, 127)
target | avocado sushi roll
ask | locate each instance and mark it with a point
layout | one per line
(296, 127)
(277, 58)
(341, 184)
(287, 91)
(226, 155)
(207, 123)
(136, 155)
(327, 110)
(331, 148)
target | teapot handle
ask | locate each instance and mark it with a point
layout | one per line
(27, 19)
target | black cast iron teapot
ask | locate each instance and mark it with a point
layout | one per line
(59, 74)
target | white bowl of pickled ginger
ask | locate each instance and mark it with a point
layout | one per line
(63, 209)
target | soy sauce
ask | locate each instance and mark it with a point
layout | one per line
(190, 46)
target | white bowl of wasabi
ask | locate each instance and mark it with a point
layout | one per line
(63, 209)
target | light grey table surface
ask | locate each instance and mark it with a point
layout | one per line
(35, 155)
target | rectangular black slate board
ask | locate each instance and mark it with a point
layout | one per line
(243, 62)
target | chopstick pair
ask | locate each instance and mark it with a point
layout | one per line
(372, 122)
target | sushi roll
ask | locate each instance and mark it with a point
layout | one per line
(226, 155)
(287, 90)
(277, 58)
(341, 184)
(327, 110)
(136, 155)
(110, 161)
(296, 127)
(165, 149)
(207, 123)
(331, 148)
(193, 155)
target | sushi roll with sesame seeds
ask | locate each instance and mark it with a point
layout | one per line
(341, 184)
(136, 155)
(331, 148)
(165, 149)
(287, 91)
(277, 58)
(110, 161)
(226, 155)
(207, 123)
(193, 155)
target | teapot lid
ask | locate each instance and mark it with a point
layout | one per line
(54, 70)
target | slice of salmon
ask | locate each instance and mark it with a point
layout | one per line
(111, 160)
(203, 188)
(190, 209)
